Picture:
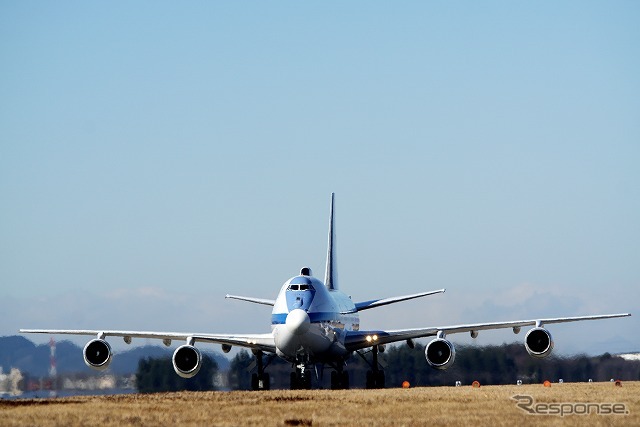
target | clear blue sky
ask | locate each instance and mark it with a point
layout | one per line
(157, 155)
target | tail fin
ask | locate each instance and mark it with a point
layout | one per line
(331, 272)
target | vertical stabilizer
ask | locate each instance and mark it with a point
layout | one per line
(331, 273)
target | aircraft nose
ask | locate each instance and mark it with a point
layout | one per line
(298, 321)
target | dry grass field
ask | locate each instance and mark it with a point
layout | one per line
(487, 405)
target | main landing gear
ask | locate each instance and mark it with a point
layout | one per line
(261, 380)
(375, 375)
(339, 380)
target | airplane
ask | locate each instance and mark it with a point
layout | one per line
(315, 324)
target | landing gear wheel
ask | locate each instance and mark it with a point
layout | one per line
(300, 380)
(339, 380)
(375, 379)
(265, 384)
(260, 381)
(307, 382)
(370, 383)
(380, 380)
(345, 380)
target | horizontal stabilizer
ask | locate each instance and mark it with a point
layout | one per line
(251, 299)
(365, 305)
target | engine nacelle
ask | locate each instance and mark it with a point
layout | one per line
(97, 354)
(440, 353)
(538, 342)
(187, 361)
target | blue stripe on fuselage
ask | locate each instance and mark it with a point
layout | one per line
(314, 317)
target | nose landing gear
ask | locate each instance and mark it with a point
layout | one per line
(301, 377)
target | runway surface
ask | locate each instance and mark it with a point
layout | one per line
(559, 404)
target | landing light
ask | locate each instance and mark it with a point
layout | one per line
(371, 338)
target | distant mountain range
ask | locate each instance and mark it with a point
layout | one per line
(19, 352)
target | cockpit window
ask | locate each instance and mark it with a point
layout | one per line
(301, 288)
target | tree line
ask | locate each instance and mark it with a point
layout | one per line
(157, 375)
(490, 365)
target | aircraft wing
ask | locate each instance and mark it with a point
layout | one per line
(252, 299)
(264, 342)
(356, 340)
(384, 301)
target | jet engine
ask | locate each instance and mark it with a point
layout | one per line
(97, 354)
(440, 353)
(187, 361)
(538, 342)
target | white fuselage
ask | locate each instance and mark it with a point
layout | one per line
(309, 321)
